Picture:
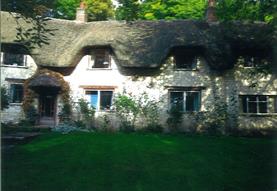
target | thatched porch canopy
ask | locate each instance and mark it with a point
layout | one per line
(44, 82)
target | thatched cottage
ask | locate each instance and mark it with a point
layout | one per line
(198, 64)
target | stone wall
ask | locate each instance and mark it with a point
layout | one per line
(15, 74)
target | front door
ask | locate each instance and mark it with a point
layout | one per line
(47, 105)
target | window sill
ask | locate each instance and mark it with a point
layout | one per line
(258, 114)
(100, 69)
(105, 111)
(15, 104)
(14, 66)
(188, 112)
(186, 69)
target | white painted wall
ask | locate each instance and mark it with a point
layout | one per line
(228, 85)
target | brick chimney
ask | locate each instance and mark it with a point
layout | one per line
(210, 12)
(81, 15)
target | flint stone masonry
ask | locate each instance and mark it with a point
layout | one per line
(65, 42)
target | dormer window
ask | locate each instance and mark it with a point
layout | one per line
(100, 58)
(14, 59)
(188, 62)
(185, 58)
(251, 58)
(251, 61)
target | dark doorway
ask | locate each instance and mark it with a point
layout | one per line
(47, 109)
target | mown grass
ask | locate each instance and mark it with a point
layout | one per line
(140, 162)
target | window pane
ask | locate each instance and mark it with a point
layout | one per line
(177, 100)
(101, 59)
(93, 98)
(252, 98)
(106, 99)
(11, 59)
(249, 61)
(252, 107)
(262, 98)
(16, 93)
(244, 104)
(263, 107)
(185, 61)
(192, 101)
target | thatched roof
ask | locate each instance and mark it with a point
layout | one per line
(44, 80)
(140, 44)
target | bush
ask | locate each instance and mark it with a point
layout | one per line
(65, 114)
(68, 127)
(131, 108)
(105, 125)
(87, 113)
(127, 110)
(174, 119)
(31, 115)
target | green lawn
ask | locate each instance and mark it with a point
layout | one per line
(137, 162)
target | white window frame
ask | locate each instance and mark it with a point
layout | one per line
(257, 101)
(99, 98)
(185, 99)
(14, 65)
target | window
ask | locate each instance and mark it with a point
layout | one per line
(251, 61)
(100, 100)
(183, 61)
(100, 59)
(254, 104)
(187, 101)
(14, 59)
(186, 58)
(253, 57)
(16, 93)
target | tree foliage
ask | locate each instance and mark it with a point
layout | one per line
(97, 10)
(172, 9)
(128, 10)
(255, 10)
(28, 8)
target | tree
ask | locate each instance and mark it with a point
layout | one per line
(97, 10)
(172, 9)
(128, 10)
(255, 10)
(28, 8)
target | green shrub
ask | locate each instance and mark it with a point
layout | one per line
(65, 114)
(105, 125)
(127, 110)
(131, 108)
(87, 112)
(31, 115)
(174, 119)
